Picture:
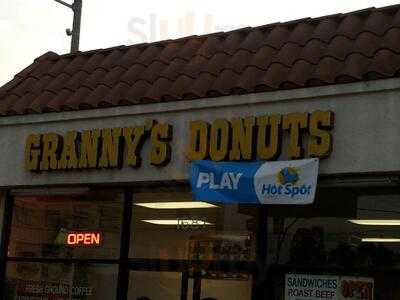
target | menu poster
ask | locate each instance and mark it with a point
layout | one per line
(313, 287)
(354, 288)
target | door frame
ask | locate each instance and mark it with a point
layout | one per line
(186, 267)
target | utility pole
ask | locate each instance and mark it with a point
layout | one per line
(76, 26)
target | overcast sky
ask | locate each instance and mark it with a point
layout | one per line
(29, 28)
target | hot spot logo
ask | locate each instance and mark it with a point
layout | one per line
(288, 175)
(284, 184)
(288, 179)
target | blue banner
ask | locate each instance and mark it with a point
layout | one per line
(283, 182)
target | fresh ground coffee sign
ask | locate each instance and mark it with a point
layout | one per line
(238, 139)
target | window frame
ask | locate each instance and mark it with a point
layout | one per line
(257, 268)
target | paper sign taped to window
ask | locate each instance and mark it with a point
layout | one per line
(313, 287)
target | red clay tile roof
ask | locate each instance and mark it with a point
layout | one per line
(342, 48)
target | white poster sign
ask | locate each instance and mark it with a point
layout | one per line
(287, 182)
(317, 287)
(311, 287)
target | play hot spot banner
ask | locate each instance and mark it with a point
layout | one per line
(283, 182)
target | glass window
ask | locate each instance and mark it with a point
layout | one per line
(169, 225)
(46, 281)
(225, 288)
(354, 237)
(155, 285)
(84, 226)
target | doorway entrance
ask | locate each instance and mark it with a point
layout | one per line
(186, 250)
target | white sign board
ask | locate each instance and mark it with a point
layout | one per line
(287, 182)
(311, 287)
(317, 287)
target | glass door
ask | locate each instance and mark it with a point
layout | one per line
(145, 285)
(219, 285)
(187, 250)
(191, 284)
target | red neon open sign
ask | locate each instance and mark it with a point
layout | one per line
(84, 239)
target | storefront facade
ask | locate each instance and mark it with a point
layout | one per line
(96, 202)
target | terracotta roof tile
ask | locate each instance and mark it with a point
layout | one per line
(377, 22)
(313, 51)
(253, 41)
(74, 65)
(350, 26)
(326, 29)
(54, 105)
(25, 86)
(301, 34)
(172, 71)
(193, 68)
(216, 64)
(133, 74)
(136, 92)
(239, 61)
(367, 44)
(385, 63)
(8, 102)
(72, 103)
(249, 79)
(276, 75)
(97, 97)
(198, 88)
(301, 72)
(210, 46)
(39, 103)
(57, 83)
(180, 85)
(392, 40)
(263, 57)
(76, 80)
(95, 78)
(277, 37)
(223, 83)
(232, 42)
(341, 48)
(356, 65)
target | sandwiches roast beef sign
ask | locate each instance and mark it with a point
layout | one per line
(239, 139)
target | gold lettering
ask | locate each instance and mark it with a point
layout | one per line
(242, 139)
(134, 139)
(198, 140)
(32, 152)
(219, 139)
(89, 149)
(110, 151)
(296, 123)
(269, 137)
(52, 144)
(69, 159)
(161, 135)
(320, 140)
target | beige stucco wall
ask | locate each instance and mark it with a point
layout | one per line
(366, 133)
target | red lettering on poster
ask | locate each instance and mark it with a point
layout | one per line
(359, 289)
